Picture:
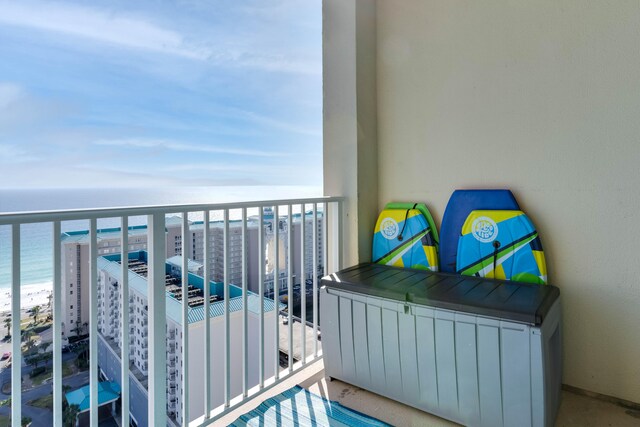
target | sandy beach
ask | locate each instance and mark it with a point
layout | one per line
(30, 296)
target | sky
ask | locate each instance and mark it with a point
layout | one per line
(160, 93)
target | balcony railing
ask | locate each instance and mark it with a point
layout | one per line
(158, 360)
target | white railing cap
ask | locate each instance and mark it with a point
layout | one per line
(75, 214)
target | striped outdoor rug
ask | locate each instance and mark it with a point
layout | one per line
(300, 408)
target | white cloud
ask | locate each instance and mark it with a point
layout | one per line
(184, 147)
(274, 123)
(21, 110)
(97, 24)
(136, 32)
(11, 154)
(9, 94)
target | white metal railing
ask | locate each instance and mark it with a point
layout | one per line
(158, 402)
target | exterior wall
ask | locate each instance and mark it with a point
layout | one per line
(109, 364)
(539, 97)
(75, 277)
(174, 240)
(196, 358)
(75, 257)
(75, 274)
(109, 327)
(350, 149)
(253, 255)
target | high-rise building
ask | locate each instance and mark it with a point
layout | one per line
(75, 256)
(110, 334)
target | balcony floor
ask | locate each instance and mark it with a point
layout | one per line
(575, 410)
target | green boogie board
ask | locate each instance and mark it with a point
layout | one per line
(405, 236)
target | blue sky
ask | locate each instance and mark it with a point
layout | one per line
(149, 93)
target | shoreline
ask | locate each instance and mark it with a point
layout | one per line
(30, 296)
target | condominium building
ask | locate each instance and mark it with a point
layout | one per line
(110, 334)
(75, 271)
(75, 256)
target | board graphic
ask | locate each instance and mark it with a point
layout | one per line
(460, 205)
(501, 244)
(404, 237)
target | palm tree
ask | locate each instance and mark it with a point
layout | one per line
(83, 350)
(7, 324)
(50, 297)
(70, 415)
(34, 360)
(46, 358)
(76, 330)
(27, 334)
(35, 311)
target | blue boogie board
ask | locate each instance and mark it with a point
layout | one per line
(461, 204)
(501, 244)
(405, 236)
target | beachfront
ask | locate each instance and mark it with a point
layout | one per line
(30, 296)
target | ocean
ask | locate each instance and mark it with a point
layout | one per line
(36, 265)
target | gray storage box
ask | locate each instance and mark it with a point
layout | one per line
(476, 351)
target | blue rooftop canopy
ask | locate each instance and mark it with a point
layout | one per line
(107, 392)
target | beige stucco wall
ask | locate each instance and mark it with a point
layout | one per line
(349, 126)
(544, 98)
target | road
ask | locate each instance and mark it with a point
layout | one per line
(42, 417)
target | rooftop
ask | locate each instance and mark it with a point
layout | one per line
(138, 281)
(82, 236)
(192, 265)
(107, 392)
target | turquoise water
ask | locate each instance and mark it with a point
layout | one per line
(36, 264)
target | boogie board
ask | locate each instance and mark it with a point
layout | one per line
(460, 205)
(501, 244)
(405, 236)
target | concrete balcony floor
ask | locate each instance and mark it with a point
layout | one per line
(575, 410)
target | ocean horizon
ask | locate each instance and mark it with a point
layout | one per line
(36, 263)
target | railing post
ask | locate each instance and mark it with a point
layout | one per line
(303, 283)
(245, 318)
(325, 240)
(124, 288)
(185, 317)
(290, 285)
(157, 322)
(261, 292)
(93, 322)
(227, 326)
(314, 300)
(16, 338)
(57, 327)
(276, 289)
(207, 314)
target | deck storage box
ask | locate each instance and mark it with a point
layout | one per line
(476, 351)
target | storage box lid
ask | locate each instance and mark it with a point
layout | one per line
(520, 302)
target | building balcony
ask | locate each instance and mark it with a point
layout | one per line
(420, 100)
(292, 371)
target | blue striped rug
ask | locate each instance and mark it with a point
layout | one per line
(300, 408)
